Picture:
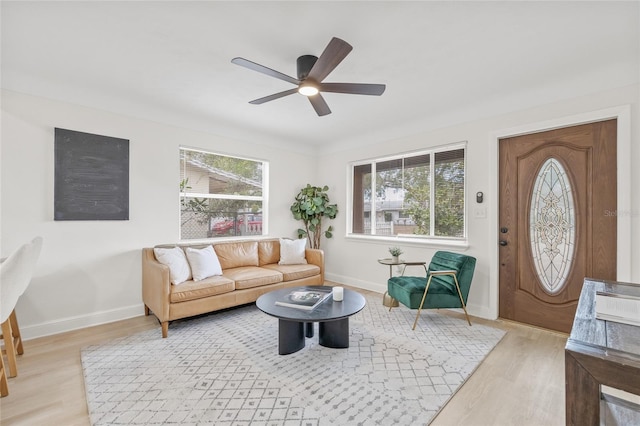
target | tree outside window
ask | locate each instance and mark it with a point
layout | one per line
(418, 194)
(220, 195)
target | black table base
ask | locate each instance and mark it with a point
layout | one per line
(334, 334)
(331, 334)
(291, 336)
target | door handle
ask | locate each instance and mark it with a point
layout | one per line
(503, 243)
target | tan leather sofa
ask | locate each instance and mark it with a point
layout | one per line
(249, 269)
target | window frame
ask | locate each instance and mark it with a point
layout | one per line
(264, 198)
(442, 241)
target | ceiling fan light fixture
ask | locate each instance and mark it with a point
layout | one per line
(308, 90)
(312, 71)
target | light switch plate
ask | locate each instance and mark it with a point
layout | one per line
(480, 212)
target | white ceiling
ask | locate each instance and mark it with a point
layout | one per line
(442, 62)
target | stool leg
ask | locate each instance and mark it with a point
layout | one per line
(17, 337)
(9, 348)
(4, 386)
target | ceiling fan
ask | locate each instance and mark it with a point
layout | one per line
(312, 71)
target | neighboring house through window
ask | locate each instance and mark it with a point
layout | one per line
(419, 194)
(221, 195)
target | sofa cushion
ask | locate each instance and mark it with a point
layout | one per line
(236, 254)
(191, 290)
(295, 272)
(292, 251)
(175, 259)
(268, 252)
(204, 262)
(252, 276)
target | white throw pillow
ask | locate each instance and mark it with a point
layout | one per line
(204, 262)
(175, 259)
(292, 251)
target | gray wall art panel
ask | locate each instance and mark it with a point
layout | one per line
(91, 176)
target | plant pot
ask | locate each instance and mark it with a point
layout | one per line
(395, 259)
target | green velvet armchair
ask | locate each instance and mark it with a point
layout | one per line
(446, 284)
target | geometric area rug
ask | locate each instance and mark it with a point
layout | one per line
(224, 369)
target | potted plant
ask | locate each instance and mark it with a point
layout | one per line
(311, 206)
(395, 253)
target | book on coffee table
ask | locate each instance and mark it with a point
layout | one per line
(305, 299)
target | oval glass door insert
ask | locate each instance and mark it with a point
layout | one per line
(552, 226)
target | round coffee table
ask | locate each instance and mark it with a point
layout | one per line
(294, 324)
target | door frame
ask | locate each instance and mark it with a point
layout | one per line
(623, 116)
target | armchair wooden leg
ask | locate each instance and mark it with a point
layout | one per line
(464, 306)
(147, 312)
(4, 386)
(424, 296)
(165, 329)
(9, 349)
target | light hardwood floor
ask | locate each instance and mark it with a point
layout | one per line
(521, 382)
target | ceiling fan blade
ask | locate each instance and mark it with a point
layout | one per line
(353, 88)
(319, 104)
(264, 70)
(274, 96)
(333, 54)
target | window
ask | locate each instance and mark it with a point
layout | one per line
(220, 195)
(418, 194)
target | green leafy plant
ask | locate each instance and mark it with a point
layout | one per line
(395, 251)
(197, 206)
(311, 206)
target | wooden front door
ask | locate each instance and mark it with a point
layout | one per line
(557, 220)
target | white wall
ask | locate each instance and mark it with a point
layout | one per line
(89, 271)
(353, 261)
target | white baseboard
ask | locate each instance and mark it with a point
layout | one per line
(365, 285)
(82, 321)
(480, 311)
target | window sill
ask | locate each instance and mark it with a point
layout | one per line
(444, 243)
(230, 238)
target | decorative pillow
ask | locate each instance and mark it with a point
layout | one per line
(292, 251)
(175, 259)
(204, 262)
